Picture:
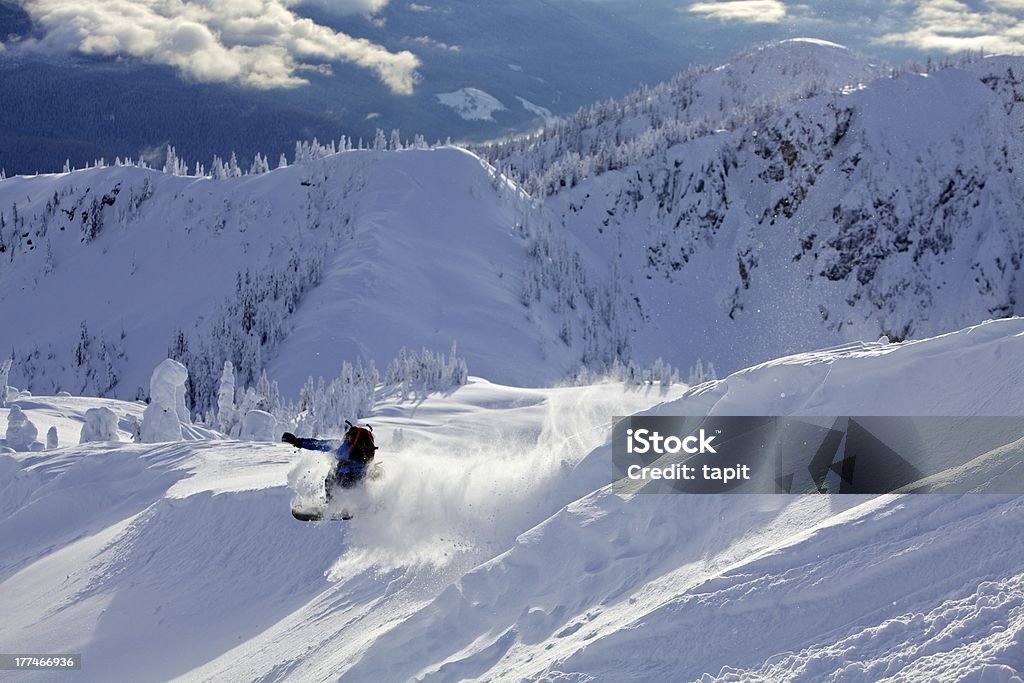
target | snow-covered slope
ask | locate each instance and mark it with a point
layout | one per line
(174, 554)
(696, 102)
(507, 557)
(795, 196)
(343, 258)
(471, 104)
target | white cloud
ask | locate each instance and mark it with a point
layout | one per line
(749, 11)
(367, 8)
(257, 43)
(1012, 5)
(431, 42)
(953, 26)
(356, 6)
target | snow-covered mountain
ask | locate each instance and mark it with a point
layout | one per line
(471, 104)
(348, 257)
(796, 196)
(509, 558)
(795, 193)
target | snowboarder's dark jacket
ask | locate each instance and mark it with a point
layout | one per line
(355, 453)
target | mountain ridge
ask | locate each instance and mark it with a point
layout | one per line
(822, 216)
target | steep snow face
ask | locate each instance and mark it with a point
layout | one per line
(680, 586)
(493, 548)
(433, 259)
(102, 268)
(891, 209)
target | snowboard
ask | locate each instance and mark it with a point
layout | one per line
(318, 512)
(315, 515)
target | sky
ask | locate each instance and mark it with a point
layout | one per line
(940, 26)
(255, 43)
(274, 44)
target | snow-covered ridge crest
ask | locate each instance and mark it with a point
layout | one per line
(382, 238)
(893, 208)
(695, 103)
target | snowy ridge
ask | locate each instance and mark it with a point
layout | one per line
(832, 214)
(351, 257)
(542, 113)
(806, 199)
(695, 103)
(183, 555)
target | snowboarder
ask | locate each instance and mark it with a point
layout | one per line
(354, 455)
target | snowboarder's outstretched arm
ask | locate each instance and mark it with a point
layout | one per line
(311, 444)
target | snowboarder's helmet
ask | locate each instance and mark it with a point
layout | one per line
(360, 442)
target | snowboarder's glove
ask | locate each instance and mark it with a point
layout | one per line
(288, 437)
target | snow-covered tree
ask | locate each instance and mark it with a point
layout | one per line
(246, 328)
(227, 414)
(259, 165)
(420, 372)
(217, 169)
(100, 425)
(95, 363)
(166, 411)
(325, 407)
(21, 431)
(701, 373)
(171, 161)
(5, 378)
(259, 425)
(663, 373)
(134, 427)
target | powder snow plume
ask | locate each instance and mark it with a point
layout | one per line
(452, 494)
